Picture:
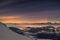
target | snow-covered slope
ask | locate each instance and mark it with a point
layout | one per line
(7, 34)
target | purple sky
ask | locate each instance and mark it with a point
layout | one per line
(31, 9)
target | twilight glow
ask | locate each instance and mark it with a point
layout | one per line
(30, 11)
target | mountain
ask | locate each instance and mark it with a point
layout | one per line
(7, 34)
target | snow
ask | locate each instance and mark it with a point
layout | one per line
(7, 34)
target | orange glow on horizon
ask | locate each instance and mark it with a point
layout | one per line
(12, 19)
(23, 21)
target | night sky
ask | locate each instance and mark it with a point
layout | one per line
(24, 11)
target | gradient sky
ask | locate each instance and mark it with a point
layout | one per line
(22, 11)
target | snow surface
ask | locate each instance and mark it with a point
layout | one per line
(7, 34)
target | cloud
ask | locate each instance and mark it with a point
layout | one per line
(4, 3)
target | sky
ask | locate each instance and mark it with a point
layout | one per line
(29, 11)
